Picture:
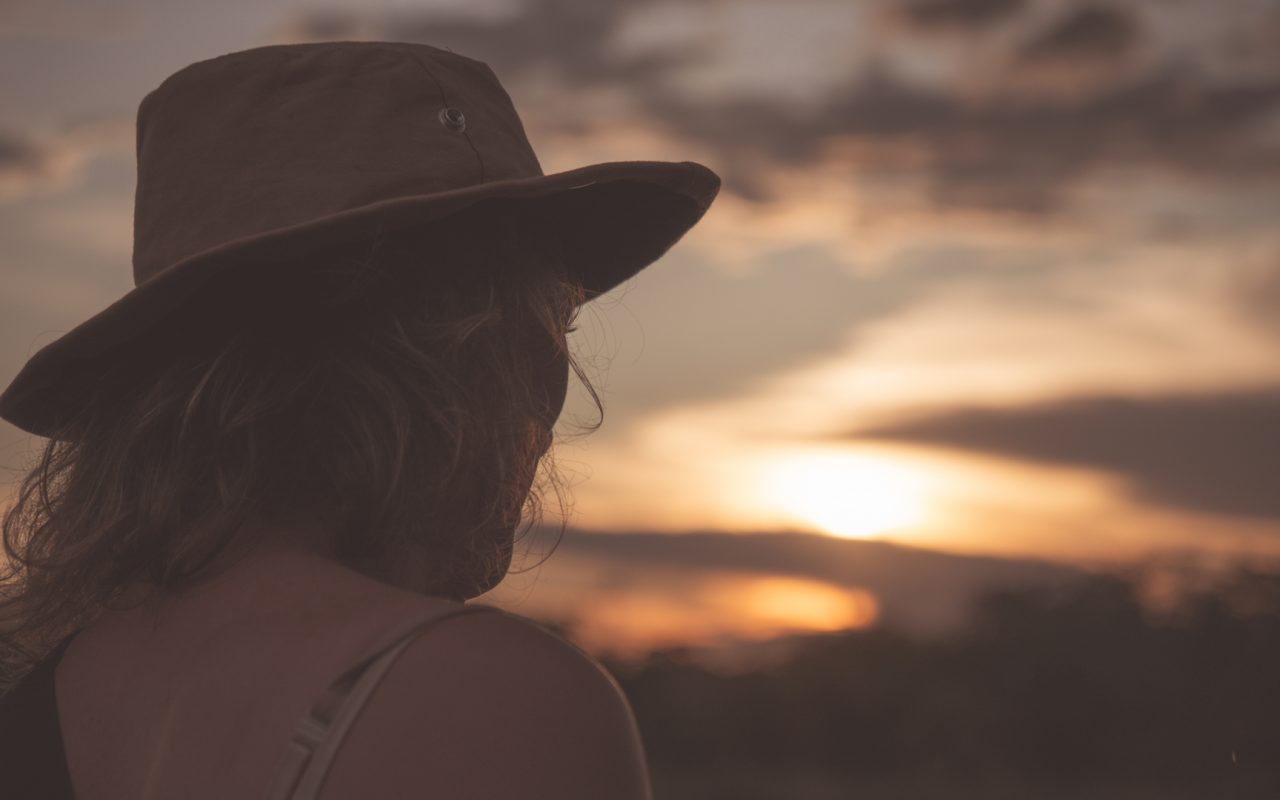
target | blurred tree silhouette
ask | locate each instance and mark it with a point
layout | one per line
(1080, 691)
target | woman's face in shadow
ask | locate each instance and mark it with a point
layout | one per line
(548, 372)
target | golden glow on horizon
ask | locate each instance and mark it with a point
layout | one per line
(850, 495)
(806, 604)
(711, 609)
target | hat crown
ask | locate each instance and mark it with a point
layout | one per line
(268, 138)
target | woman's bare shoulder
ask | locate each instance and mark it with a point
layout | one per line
(493, 704)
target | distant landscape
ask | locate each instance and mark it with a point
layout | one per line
(627, 593)
(1079, 690)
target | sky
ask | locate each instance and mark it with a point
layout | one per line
(989, 278)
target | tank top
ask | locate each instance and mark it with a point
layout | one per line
(33, 764)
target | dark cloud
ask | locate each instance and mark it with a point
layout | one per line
(963, 14)
(918, 590)
(21, 159)
(1005, 153)
(326, 24)
(31, 165)
(1216, 453)
(570, 39)
(1090, 32)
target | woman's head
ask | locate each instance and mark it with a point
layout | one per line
(403, 390)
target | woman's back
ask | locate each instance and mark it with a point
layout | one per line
(198, 696)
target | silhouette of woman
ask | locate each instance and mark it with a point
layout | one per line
(278, 468)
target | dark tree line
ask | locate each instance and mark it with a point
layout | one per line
(1049, 693)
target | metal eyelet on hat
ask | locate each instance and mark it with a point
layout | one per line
(453, 119)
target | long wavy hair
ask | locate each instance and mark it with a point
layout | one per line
(404, 388)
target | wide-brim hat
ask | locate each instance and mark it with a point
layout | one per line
(253, 159)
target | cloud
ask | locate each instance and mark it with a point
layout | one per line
(1217, 453)
(1010, 153)
(570, 39)
(711, 332)
(30, 164)
(917, 590)
(962, 14)
(1088, 32)
(21, 157)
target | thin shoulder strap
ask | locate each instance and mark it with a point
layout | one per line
(319, 734)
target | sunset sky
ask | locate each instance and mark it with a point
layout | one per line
(985, 277)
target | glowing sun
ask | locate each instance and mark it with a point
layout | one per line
(849, 495)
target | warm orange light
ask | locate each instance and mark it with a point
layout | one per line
(701, 609)
(846, 494)
(796, 604)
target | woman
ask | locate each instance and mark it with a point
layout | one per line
(278, 467)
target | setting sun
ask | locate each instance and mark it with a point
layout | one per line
(845, 494)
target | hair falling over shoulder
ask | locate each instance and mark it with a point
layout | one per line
(403, 388)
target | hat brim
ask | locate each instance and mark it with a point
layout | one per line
(615, 218)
